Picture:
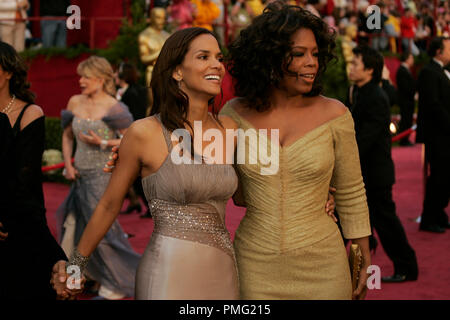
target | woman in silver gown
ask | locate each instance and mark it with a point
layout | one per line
(95, 120)
(190, 254)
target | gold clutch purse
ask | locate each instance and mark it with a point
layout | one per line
(355, 260)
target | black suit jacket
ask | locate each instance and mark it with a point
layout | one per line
(433, 123)
(371, 114)
(136, 99)
(53, 7)
(390, 91)
(406, 86)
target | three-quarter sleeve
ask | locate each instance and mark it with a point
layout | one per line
(118, 117)
(350, 196)
(66, 118)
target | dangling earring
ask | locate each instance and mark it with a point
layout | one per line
(272, 76)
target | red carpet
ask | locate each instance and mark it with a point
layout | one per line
(433, 250)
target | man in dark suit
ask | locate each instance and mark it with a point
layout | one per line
(131, 92)
(371, 114)
(433, 129)
(406, 89)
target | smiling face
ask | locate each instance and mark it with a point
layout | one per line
(202, 70)
(305, 63)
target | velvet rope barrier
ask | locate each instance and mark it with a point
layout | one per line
(54, 167)
(403, 134)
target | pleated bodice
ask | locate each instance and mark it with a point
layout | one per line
(286, 210)
(188, 200)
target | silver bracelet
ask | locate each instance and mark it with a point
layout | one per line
(78, 260)
(104, 144)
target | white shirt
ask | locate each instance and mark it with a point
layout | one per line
(121, 91)
(447, 73)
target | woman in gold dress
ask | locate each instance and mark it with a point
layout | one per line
(286, 246)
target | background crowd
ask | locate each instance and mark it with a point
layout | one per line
(403, 23)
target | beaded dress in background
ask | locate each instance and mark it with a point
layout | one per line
(113, 264)
(190, 254)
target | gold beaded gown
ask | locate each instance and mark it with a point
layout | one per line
(190, 255)
(286, 246)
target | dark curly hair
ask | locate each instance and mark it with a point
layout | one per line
(11, 62)
(260, 57)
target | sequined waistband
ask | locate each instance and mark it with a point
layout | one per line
(194, 222)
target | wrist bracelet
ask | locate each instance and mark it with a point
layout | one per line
(104, 144)
(78, 260)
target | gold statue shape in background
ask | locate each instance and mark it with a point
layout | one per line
(151, 40)
(348, 44)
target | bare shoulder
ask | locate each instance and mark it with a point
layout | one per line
(32, 113)
(228, 122)
(145, 128)
(75, 101)
(332, 107)
(145, 140)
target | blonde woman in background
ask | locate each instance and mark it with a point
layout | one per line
(97, 121)
(13, 32)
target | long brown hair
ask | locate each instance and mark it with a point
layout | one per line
(11, 62)
(169, 100)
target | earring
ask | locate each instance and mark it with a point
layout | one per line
(272, 76)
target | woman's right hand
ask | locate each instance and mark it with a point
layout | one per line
(59, 282)
(111, 164)
(70, 173)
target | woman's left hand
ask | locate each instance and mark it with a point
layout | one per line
(331, 204)
(361, 289)
(92, 138)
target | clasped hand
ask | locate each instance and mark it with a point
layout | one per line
(60, 282)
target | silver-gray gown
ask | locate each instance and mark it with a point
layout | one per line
(113, 264)
(190, 254)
